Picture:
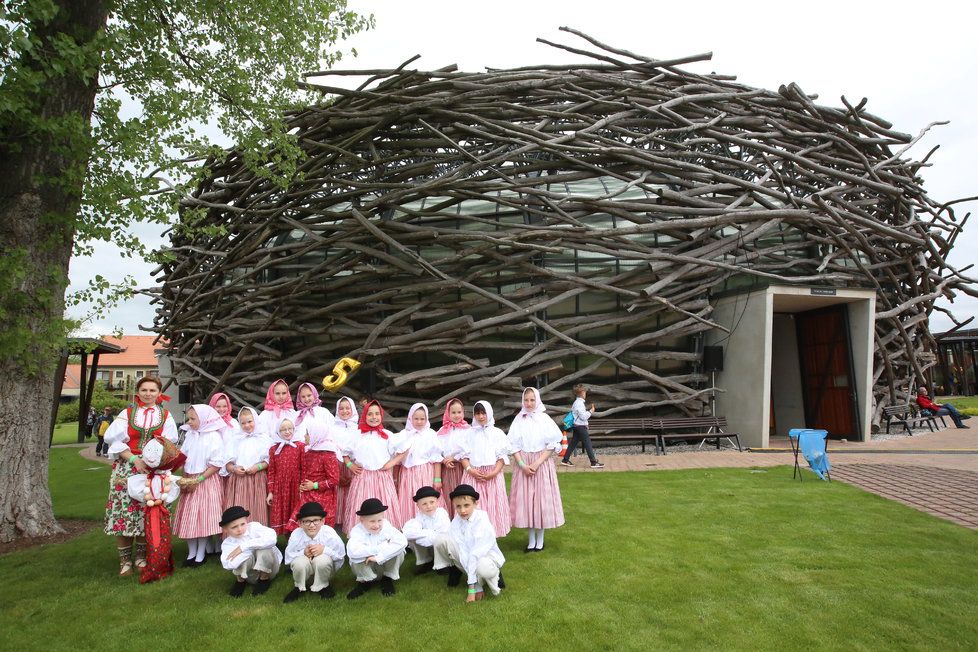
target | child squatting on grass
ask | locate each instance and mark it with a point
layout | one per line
(314, 552)
(470, 547)
(248, 551)
(376, 549)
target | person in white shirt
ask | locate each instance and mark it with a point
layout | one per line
(314, 552)
(470, 547)
(375, 549)
(248, 551)
(581, 434)
(429, 524)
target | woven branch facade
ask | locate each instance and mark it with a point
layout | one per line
(470, 233)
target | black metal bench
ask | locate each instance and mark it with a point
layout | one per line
(906, 416)
(709, 428)
(625, 430)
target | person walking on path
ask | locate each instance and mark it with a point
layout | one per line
(581, 434)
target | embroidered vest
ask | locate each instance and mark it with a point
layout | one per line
(138, 434)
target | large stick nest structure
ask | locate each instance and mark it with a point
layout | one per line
(466, 233)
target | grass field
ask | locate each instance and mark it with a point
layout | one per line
(723, 559)
(67, 433)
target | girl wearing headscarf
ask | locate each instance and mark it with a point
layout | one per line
(312, 420)
(247, 464)
(371, 455)
(320, 475)
(284, 476)
(278, 405)
(534, 495)
(450, 436)
(345, 425)
(201, 500)
(221, 403)
(484, 455)
(422, 465)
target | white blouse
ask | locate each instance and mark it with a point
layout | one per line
(483, 446)
(228, 434)
(534, 433)
(422, 447)
(423, 529)
(371, 451)
(117, 434)
(475, 538)
(137, 487)
(327, 537)
(202, 450)
(383, 546)
(313, 426)
(267, 422)
(247, 449)
(450, 444)
(342, 432)
(256, 537)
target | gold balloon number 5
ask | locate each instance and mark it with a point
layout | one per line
(342, 372)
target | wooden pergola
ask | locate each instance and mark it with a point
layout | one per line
(80, 346)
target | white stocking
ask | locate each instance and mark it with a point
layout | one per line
(533, 538)
(191, 548)
(201, 549)
(539, 538)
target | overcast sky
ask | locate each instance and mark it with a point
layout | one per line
(916, 62)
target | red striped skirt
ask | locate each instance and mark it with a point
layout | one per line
(450, 478)
(199, 511)
(371, 484)
(250, 492)
(492, 499)
(534, 501)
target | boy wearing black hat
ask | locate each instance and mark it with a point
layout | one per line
(248, 551)
(470, 546)
(314, 552)
(375, 549)
(423, 531)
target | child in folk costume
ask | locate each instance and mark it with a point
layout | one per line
(248, 551)
(320, 475)
(199, 510)
(471, 547)
(247, 464)
(312, 420)
(125, 438)
(370, 456)
(453, 427)
(284, 476)
(278, 405)
(430, 522)
(222, 405)
(375, 549)
(422, 465)
(345, 426)
(314, 552)
(484, 455)
(156, 489)
(534, 495)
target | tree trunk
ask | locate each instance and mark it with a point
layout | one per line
(41, 179)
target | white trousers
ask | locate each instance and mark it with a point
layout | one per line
(263, 560)
(368, 572)
(317, 571)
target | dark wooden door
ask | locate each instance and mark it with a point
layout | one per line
(826, 371)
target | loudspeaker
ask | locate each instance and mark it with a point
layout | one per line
(712, 358)
(183, 394)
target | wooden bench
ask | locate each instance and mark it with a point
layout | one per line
(625, 430)
(906, 416)
(709, 428)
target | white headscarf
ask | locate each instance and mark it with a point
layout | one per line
(490, 420)
(277, 438)
(353, 421)
(409, 428)
(254, 415)
(208, 418)
(539, 409)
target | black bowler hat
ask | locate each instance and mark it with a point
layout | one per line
(233, 513)
(311, 509)
(464, 490)
(371, 506)
(426, 492)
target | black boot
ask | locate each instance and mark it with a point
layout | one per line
(454, 576)
(421, 569)
(358, 590)
(237, 589)
(502, 582)
(261, 586)
(327, 594)
(387, 586)
(293, 595)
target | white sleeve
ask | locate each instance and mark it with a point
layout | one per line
(174, 491)
(265, 538)
(440, 526)
(170, 428)
(394, 545)
(334, 548)
(117, 435)
(136, 486)
(412, 530)
(502, 446)
(296, 546)
(485, 538)
(215, 457)
(358, 548)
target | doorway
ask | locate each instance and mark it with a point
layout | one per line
(825, 359)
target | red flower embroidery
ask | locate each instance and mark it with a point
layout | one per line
(118, 487)
(132, 508)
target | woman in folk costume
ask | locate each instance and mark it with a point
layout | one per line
(278, 405)
(485, 453)
(534, 495)
(284, 476)
(320, 475)
(312, 420)
(200, 505)
(156, 489)
(346, 424)
(125, 438)
(422, 465)
(247, 464)
(371, 455)
(450, 436)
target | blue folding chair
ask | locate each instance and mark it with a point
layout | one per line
(813, 445)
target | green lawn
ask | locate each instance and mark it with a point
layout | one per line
(67, 433)
(965, 404)
(722, 559)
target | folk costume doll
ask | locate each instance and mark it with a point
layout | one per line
(155, 490)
